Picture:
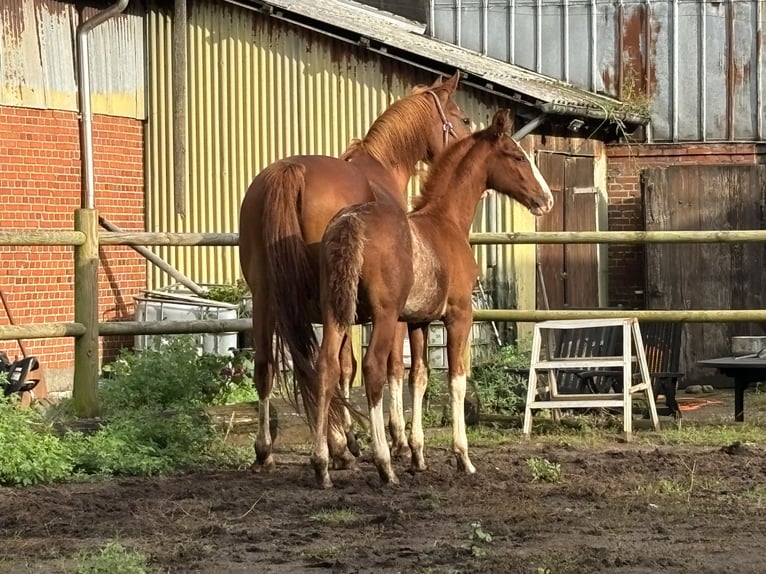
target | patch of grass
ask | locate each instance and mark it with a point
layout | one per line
(335, 516)
(544, 470)
(112, 558)
(756, 495)
(705, 434)
(501, 391)
(666, 486)
(323, 553)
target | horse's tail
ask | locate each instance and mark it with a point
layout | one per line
(341, 264)
(292, 279)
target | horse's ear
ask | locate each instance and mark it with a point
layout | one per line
(500, 122)
(450, 84)
(437, 82)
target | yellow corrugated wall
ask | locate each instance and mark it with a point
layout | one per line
(259, 90)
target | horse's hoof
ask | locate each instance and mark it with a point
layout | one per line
(347, 462)
(266, 465)
(352, 445)
(465, 466)
(400, 450)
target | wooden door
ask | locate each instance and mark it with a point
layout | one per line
(569, 272)
(705, 276)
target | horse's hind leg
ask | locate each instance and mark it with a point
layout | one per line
(328, 373)
(374, 371)
(396, 424)
(263, 375)
(347, 374)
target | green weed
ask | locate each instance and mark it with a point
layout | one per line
(544, 470)
(335, 516)
(112, 558)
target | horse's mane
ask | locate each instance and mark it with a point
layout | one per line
(397, 136)
(455, 155)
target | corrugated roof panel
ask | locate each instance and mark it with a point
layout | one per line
(543, 92)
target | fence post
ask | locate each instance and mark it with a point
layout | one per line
(86, 361)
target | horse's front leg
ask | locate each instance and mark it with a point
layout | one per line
(458, 328)
(418, 382)
(396, 424)
(374, 372)
(263, 375)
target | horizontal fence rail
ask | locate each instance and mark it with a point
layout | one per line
(41, 331)
(174, 327)
(174, 239)
(618, 237)
(23, 238)
(517, 238)
(656, 316)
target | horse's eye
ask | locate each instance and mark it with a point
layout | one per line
(467, 121)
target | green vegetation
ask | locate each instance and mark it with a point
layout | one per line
(479, 539)
(544, 470)
(153, 421)
(499, 390)
(335, 516)
(112, 558)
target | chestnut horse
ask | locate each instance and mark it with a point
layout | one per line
(284, 214)
(381, 264)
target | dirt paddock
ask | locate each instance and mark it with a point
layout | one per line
(618, 508)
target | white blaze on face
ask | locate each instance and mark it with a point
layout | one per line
(538, 176)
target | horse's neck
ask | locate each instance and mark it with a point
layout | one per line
(388, 179)
(454, 198)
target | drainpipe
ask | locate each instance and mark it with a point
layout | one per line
(529, 127)
(87, 198)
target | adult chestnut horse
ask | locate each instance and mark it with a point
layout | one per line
(381, 264)
(284, 214)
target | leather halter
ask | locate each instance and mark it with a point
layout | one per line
(447, 126)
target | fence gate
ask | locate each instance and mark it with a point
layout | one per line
(570, 272)
(706, 276)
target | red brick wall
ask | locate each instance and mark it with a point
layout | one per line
(626, 213)
(40, 179)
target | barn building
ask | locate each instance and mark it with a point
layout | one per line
(262, 80)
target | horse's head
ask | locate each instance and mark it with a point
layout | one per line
(512, 172)
(450, 122)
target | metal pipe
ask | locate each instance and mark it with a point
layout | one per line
(87, 196)
(759, 69)
(529, 127)
(593, 46)
(731, 71)
(648, 67)
(565, 55)
(620, 47)
(512, 35)
(431, 28)
(675, 71)
(484, 27)
(539, 36)
(703, 72)
(179, 106)
(458, 21)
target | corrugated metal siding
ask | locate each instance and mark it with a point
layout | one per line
(37, 60)
(260, 90)
(699, 63)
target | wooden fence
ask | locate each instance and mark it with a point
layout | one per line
(86, 329)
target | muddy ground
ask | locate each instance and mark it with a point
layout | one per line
(619, 508)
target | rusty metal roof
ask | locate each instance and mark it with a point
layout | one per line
(599, 115)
